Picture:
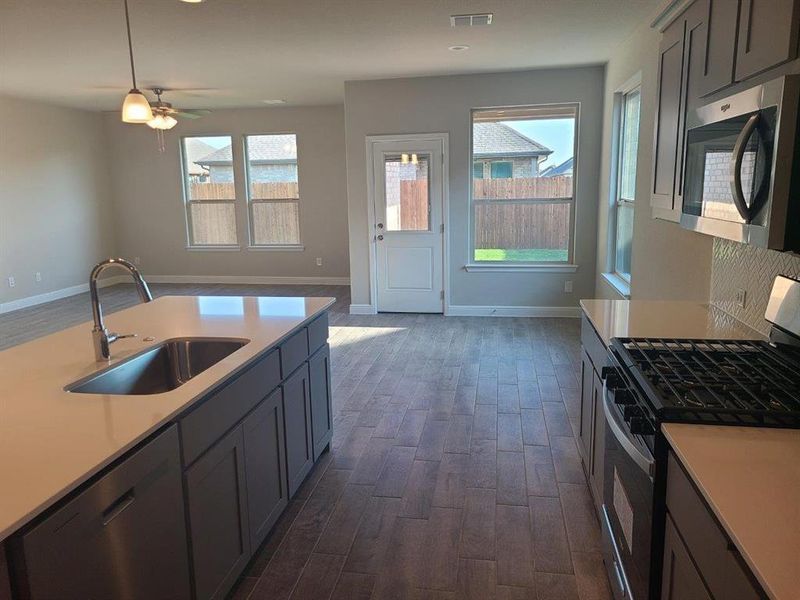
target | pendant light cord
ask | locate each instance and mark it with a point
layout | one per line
(130, 44)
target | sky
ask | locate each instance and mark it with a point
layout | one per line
(218, 141)
(556, 134)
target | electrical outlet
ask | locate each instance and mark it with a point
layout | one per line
(741, 298)
(137, 260)
(37, 276)
(319, 261)
(568, 287)
(11, 281)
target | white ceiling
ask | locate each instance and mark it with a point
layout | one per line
(242, 52)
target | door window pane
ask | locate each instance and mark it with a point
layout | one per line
(407, 181)
(272, 175)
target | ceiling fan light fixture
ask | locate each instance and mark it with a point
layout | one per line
(162, 122)
(136, 108)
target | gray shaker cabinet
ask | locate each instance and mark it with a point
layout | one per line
(680, 578)
(219, 529)
(768, 35)
(297, 420)
(319, 367)
(265, 466)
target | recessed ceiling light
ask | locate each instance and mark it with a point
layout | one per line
(274, 101)
(192, 1)
(458, 48)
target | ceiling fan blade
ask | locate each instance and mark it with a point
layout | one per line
(190, 114)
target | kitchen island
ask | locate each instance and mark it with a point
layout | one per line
(57, 446)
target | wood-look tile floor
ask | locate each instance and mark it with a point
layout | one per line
(453, 472)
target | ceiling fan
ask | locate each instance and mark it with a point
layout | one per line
(165, 115)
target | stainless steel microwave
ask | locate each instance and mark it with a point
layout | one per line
(742, 170)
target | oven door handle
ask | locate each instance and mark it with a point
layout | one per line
(645, 463)
(736, 167)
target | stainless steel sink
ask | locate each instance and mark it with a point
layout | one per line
(159, 369)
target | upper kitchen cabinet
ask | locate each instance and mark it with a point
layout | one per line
(714, 52)
(768, 35)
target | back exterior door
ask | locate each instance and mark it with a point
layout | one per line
(408, 228)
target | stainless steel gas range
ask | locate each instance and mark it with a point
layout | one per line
(713, 382)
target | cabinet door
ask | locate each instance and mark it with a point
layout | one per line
(598, 442)
(5, 578)
(124, 536)
(680, 579)
(217, 500)
(585, 431)
(265, 466)
(713, 55)
(297, 419)
(319, 367)
(668, 122)
(768, 31)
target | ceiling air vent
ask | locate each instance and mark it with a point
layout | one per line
(476, 20)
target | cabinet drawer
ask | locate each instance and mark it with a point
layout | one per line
(716, 557)
(226, 407)
(127, 529)
(294, 351)
(318, 333)
(594, 347)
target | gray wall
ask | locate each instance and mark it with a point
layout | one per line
(55, 207)
(667, 262)
(148, 200)
(442, 104)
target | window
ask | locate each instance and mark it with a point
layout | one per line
(209, 191)
(524, 212)
(407, 181)
(477, 170)
(273, 191)
(502, 170)
(628, 145)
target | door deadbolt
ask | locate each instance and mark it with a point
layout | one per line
(380, 237)
(380, 225)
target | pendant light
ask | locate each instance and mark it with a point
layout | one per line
(136, 108)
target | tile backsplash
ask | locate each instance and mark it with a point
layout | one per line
(737, 266)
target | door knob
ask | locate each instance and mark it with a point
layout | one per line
(380, 237)
(380, 225)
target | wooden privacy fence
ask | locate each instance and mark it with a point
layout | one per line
(258, 191)
(513, 226)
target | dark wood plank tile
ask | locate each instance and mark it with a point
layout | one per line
(507, 371)
(507, 398)
(451, 483)
(507, 592)
(534, 429)
(370, 465)
(478, 527)
(509, 432)
(484, 423)
(394, 476)
(411, 428)
(548, 388)
(319, 577)
(459, 434)
(372, 540)
(354, 586)
(550, 547)
(477, 579)
(389, 423)
(483, 464)
(555, 415)
(440, 564)
(566, 460)
(341, 528)
(540, 474)
(487, 390)
(554, 586)
(431, 442)
(511, 486)
(529, 396)
(514, 549)
(583, 528)
(464, 402)
(590, 576)
(350, 452)
(401, 573)
(418, 495)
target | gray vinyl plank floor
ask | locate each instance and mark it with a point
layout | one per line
(453, 470)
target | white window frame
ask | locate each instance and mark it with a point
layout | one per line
(187, 201)
(251, 201)
(569, 265)
(619, 281)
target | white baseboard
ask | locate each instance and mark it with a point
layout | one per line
(514, 311)
(247, 279)
(74, 290)
(362, 309)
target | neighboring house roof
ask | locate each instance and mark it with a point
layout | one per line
(262, 149)
(196, 149)
(565, 168)
(496, 139)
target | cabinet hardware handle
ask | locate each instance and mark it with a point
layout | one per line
(118, 507)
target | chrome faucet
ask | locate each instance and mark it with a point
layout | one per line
(101, 337)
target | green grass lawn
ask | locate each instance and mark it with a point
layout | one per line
(531, 255)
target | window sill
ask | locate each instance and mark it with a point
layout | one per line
(214, 248)
(278, 248)
(522, 268)
(619, 284)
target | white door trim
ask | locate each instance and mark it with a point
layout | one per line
(371, 140)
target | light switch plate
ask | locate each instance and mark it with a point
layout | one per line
(741, 297)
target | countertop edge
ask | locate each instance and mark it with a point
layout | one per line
(9, 530)
(729, 531)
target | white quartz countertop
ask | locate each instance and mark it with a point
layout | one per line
(750, 477)
(51, 441)
(663, 318)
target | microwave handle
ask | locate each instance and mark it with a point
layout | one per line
(736, 167)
